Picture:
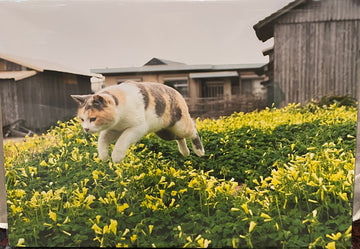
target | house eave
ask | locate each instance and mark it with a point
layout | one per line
(42, 66)
(175, 68)
(264, 29)
(220, 74)
(17, 75)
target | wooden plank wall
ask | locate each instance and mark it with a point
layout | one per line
(3, 205)
(328, 10)
(316, 58)
(8, 101)
(43, 99)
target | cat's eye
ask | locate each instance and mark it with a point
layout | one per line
(82, 120)
(92, 119)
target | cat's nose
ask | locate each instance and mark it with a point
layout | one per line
(86, 129)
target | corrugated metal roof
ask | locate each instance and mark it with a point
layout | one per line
(179, 67)
(17, 75)
(214, 74)
(41, 65)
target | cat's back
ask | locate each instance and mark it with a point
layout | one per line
(124, 93)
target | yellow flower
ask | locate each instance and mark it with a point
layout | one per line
(21, 242)
(244, 206)
(98, 218)
(52, 215)
(348, 232)
(277, 226)
(113, 226)
(151, 228)
(162, 179)
(181, 191)
(133, 238)
(331, 245)
(201, 242)
(343, 196)
(106, 229)
(96, 229)
(43, 163)
(265, 216)
(252, 226)
(334, 236)
(172, 202)
(121, 208)
(127, 230)
(171, 184)
(16, 209)
(67, 220)
(103, 201)
(67, 233)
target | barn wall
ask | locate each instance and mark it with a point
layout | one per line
(328, 10)
(43, 99)
(8, 102)
(9, 66)
(313, 59)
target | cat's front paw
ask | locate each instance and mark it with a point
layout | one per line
(117, 157)
(104, 155)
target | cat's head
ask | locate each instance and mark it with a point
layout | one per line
(96, 112)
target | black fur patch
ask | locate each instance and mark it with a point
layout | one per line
(175, 110)
(98, 103)
(166, 135)
(197, 142)
(158, 91)
(145, 95)
(160, 104)
(96, 106)
(114, 97)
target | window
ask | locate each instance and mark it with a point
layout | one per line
(181, 85)
(235, 86)
(212, 89)
(246, 86)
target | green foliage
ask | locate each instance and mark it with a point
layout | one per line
(346, 100)
(279, 177)
(246, 146)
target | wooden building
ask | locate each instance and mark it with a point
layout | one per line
(210, 90)
(38, 92)
(316, 49)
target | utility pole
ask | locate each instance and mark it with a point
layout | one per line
(3, 208)
(355, 241)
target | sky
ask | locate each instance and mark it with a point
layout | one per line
(90, 34)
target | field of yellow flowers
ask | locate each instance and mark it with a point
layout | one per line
(277, 177)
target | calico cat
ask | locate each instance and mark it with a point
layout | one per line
(125, 113)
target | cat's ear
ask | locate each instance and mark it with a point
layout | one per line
(99, 100)
(80, 99)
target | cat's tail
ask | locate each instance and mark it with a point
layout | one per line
(197, 145)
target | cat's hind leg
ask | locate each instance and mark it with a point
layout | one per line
(168, 136)
(184, 150)
(197, 145)
(186, 128)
